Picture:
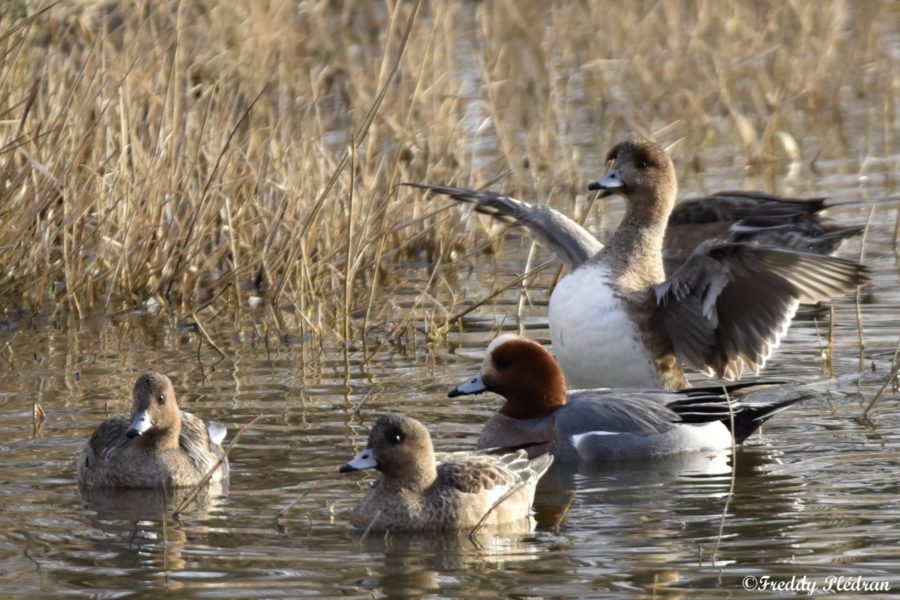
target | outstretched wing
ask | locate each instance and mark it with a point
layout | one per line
(570, 242)
(806, 234)
(750, 216)
(729, 305)
(728, 207)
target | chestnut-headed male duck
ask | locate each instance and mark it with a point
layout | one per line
(617, 320)
(602, 424)
(417, 493)
(156, 445)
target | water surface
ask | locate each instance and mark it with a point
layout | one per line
(816, 494)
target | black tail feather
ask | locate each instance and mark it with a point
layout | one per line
(749, 418)
(706, 405)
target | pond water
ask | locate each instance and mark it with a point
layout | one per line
(815, 495)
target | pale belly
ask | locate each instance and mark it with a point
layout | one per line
(594, 339)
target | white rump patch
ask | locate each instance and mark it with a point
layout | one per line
(216, 431)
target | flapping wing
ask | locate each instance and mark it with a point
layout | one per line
(727, 207)
(570, 242)
(729, 305)
(806, 233)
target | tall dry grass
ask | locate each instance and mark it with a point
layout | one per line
(209, 156)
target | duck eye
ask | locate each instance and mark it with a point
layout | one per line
(395, 438)
(161, 399)
(502, 362)
(643, 164)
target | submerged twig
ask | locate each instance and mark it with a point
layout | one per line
(502, 499)
(859, 323)
(359, 405)
(890, 380)
(37, 420)
(7, 346)
(165, 519)
(285, 510)
(565, 511)
(369, 528)
(196, 489)
(715, 550)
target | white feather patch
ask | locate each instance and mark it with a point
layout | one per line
(594, 339)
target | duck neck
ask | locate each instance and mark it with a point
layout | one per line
(526, 401)
(636, 247)
(418, 477)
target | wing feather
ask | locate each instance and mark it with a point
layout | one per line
(572, 244)
(728, 307)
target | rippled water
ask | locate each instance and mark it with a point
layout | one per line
(816, 495)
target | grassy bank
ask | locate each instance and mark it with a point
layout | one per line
(240, 159)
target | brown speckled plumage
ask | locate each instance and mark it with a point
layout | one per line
(415, 492)
(177, 451)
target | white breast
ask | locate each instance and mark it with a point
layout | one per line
(594, 339)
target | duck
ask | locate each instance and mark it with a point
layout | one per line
(418, 492)
(156, 445)
(541, 414)
(617, 320)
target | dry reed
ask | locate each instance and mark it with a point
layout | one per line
(209, 157)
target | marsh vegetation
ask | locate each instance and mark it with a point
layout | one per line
(239, 161)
